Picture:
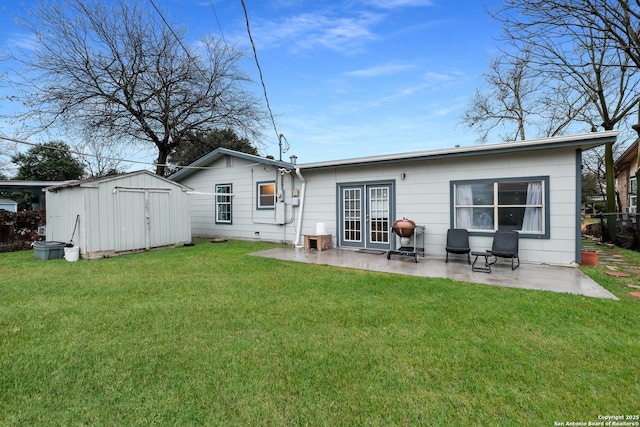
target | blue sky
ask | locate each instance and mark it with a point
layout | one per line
(351, 78)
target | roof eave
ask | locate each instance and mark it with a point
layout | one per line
(582, 141)
(218, 153)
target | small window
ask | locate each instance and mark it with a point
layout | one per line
(266, 195)
(510, 204)
(223, 204)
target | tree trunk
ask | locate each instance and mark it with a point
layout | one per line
(162, 161)
(611, 193)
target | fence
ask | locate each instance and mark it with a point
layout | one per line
(627, 232)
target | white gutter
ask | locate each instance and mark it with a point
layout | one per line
(206, 193)
(298, 243)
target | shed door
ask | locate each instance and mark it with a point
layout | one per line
(143, 218)
(159, 218)
(130, 220)
(365, 215)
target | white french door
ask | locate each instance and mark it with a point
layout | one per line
(365, 213)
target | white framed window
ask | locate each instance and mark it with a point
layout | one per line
(506, 204)
(223, 204)
(266, 195)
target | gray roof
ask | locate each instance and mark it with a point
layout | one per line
(205, 161)
(583, 141)
(28, 185)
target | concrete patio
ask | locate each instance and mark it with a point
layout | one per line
(528, 276)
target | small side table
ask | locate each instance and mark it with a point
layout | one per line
(321, 242)
(487, 264)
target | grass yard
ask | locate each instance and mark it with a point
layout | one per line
(209, 335)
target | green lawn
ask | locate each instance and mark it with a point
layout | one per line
(209, 335)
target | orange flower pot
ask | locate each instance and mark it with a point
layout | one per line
(589, 257)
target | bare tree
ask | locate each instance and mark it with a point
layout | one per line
(510, 90)
(519, 98)
(111, 69)
(589, 47)
(616, 22)
(100, 157)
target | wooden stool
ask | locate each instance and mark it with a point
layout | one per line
(321, 242)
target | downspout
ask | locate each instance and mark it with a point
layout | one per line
(298, 243)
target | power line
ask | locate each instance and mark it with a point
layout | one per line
(178, 39)
(218, 21)
(81, 154)
(279, 136)
(169, 27)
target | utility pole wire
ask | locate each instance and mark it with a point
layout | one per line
(78, 153)
(218, 21)
(264, 87)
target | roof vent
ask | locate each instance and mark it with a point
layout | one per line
(270, 157)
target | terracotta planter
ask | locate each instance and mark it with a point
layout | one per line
(589, 257)
(404, 227)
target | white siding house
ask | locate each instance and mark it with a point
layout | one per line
(9, 205)
(253, 196)
(118, 214)
(530, 186)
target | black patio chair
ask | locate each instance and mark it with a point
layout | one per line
(458, 243)
(505, 245)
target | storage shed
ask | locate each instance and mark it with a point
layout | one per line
(119, 214)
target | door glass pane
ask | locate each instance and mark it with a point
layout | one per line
(352, 215)
(379, 214)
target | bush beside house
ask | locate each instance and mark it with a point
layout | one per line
(18, 230)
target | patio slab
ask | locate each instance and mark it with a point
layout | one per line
(528, 276)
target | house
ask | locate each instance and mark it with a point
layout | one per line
(35, 190)
(626, 185)
(9, 205)
(118, 214)
(531, 186)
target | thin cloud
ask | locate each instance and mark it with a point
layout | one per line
(311, 30)
(380, 70)
(21, 41)
(437, 78)
(393, 4)
(430, 81)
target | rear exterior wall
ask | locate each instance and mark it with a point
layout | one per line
(424, 196)
(422, 193)
(247, 221)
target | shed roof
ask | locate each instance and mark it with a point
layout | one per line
(94, 182)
